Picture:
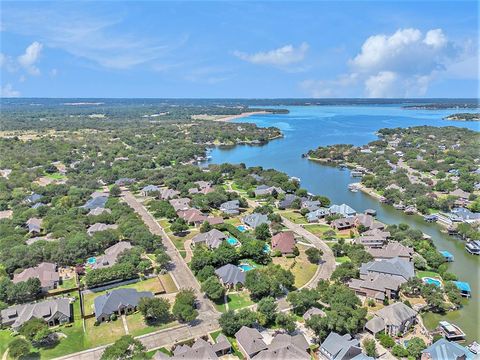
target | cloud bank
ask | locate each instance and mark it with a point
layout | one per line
(281, 56)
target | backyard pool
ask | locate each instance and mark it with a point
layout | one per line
(242, 228)
(91, 260)
(246, 267)
(232, 241)
(266, 248)
(429, 280)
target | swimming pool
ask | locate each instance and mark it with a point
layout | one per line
(232, 241)
(266, 248)
(429, 280)
(246, 267)
(91, 260)
(242, 228)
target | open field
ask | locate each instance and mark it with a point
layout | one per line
(302, 269)
(137, 325)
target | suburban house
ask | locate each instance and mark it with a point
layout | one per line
(317, 214)
(111, 255)
(230, 275)
(382, 279)
(37, 205)
(377, 232)
(313, 311)
(196, 217)
(344, 210)
(258, 178)
(231, 207)
(287, 202)
(344, 223)
(461, 214)
(203, 187)
(394, 319)
(340, 347)
(54, 312)
(212, 239)
(124, 181)
(265, 190)
(201, 349)
(46, 272)
(167, 194)
(34, 225)
(391, 250)
(149, 189)
(447, 350)
(250, 342)
(119, 301)
(100, 227)
(283, 242)
(459, 193)
(311, 205)
(255, 219)
(95, 202)
(370, 241)
(180, 204)
(285, 347)
(34, 198)
(368, 222)
(99, 211)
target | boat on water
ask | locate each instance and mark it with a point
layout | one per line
(354, 190)
(353, 187)
(451, 331)
(355, 173)
(430, 218)
(399, 206)
(474, 347)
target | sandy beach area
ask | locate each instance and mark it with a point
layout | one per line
(227, 117)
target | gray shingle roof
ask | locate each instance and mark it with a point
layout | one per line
(396, 314)
(250, 340)
(96, 202)
(395, 266)
(255, 219)
(231, 274)
(213, 239)
(338, 345)
(446, 350)
(46, 272)
(111, 301)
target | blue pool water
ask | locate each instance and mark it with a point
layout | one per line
(246, 267)
(91, 260)
(266, 248)
(232, 241)
(428, 280)
(241, 228)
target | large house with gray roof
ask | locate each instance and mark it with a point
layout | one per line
(392, 319)
(230, 275)
(344, 210)
(111, 255)
(231, 207)
(250, 342)
(118, 302)
(149, 189)
(34, 225)
(212, 239)
(255, 219)
(97, 227)
(54, 312)
(340, 347)
(95, 202)
(201, 349)
(447, 350)
(46, 272)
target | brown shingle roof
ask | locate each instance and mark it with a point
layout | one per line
(284, 241)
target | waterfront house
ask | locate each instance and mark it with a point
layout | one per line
(46, 272)
(265, 190)
(378, 233)
(111, 255)
(343, 224)
(231, 208)
(230, 275)
(370, 241)
(391, 250)
(97, 227)
(250, 342)
(311, 205)
(393, 319)
(443, 349)
(461, 214)
(257, 177)
(118, 302)
(180, 204)
(315, 215)
(287, 202)
(34, 225)
(149, 189)
(340, 347)
(53, 312)
(368, 222)
(344, 210)
(255, 219)
(284, 242)
(212, 239)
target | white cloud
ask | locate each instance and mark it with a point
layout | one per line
(8, 91)
(30, 57)
(282, 56)
(403, 64)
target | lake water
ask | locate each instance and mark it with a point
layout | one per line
(306, 128)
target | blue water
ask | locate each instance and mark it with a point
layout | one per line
(266, 248)
(91, 260)
(232, 241)
(433, 281)
(306, 128)
(246, 267)
(241, 228)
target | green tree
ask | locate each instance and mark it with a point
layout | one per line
(415, 347)
(155, 310)
(115, 191)
(303, 299)
(178, 226)
(18, 348)
(206, 227)
(370, 347)
(262, 232)
(162, 259)
(213, 288)
(286, 322)
(125, 348)
(267, 308)
(184, 306)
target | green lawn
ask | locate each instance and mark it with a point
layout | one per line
(168, 283)
(152, 285)
(342, 259)
(422, 274)
(317, 229)
(137, 325)
(238, 300)
(302, 269)
(104, 333)
(5, 339)
(294, 217)
(68, 284)
(55, 176)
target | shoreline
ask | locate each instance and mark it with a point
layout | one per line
(229, 117)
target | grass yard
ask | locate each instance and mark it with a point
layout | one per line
(293, 216)
(168, 283)
(422, 274)
(342, 259)
(137, 325)
(152, 285)
(220, 306)
(178, 241)
(238, 300)
(5, 339)
(302, 269)
(68, 284)
(105, 333)
(317, 229)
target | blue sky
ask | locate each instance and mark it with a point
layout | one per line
(239, 49)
